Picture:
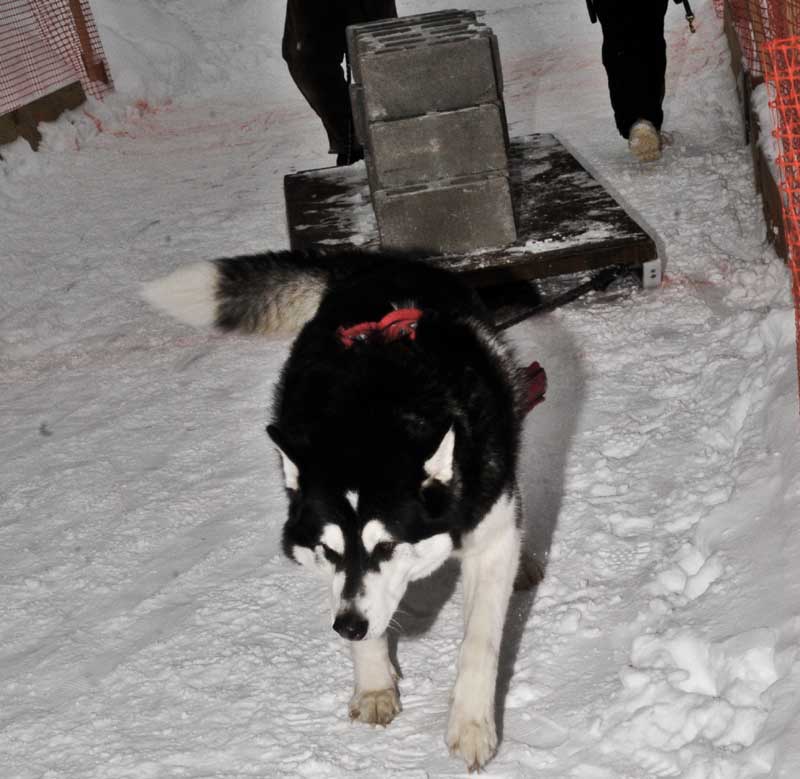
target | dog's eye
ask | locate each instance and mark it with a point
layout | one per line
(331, 555)
(384, 549)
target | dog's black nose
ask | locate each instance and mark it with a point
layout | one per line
(350, 626)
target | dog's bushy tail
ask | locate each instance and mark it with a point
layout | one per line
(274, 292)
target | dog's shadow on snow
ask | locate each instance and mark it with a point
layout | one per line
(547, 437)
(420, 607)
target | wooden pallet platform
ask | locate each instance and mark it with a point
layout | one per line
(567, 222)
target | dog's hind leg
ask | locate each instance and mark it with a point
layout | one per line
(375, 700)
(489, 565)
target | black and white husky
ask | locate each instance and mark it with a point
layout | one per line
(397, 418)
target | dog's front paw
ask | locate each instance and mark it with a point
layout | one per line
(375, 707)
(473, 738)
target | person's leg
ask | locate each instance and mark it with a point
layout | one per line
(635, 59)
(358, 12)
(370, 10)
(313, 47)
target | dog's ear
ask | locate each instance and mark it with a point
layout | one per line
(439, 466)
(291, 471)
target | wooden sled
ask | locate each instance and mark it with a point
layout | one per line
(567, 224)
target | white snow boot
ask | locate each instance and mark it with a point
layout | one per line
(644, 141)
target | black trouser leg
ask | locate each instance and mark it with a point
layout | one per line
(314, 46)
(635, 59)
(326, 92)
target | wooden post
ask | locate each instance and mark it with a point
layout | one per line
(791, 20)
(95, 68)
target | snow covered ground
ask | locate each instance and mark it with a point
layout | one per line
(149, 626)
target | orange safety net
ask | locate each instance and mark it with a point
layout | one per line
(46, 45)
(759, 21)
(782, 73)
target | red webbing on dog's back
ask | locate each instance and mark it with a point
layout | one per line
(401, 323)
(537, 385)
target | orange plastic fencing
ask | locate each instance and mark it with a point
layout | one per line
(759, 21)
(45, 45)
(782, 73)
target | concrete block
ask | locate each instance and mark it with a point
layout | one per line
(360, 123)
(408, 69)
(449, 217)
(442, 145)
(370, 36)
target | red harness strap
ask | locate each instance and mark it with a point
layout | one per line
(537, 385)
(401, 323)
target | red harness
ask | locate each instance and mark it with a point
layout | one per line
(537, 385)
(402, 323)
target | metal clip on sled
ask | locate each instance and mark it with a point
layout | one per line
(689, 14)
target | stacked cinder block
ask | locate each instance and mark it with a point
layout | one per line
(428, 107)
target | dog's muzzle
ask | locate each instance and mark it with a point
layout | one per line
(351, 626)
